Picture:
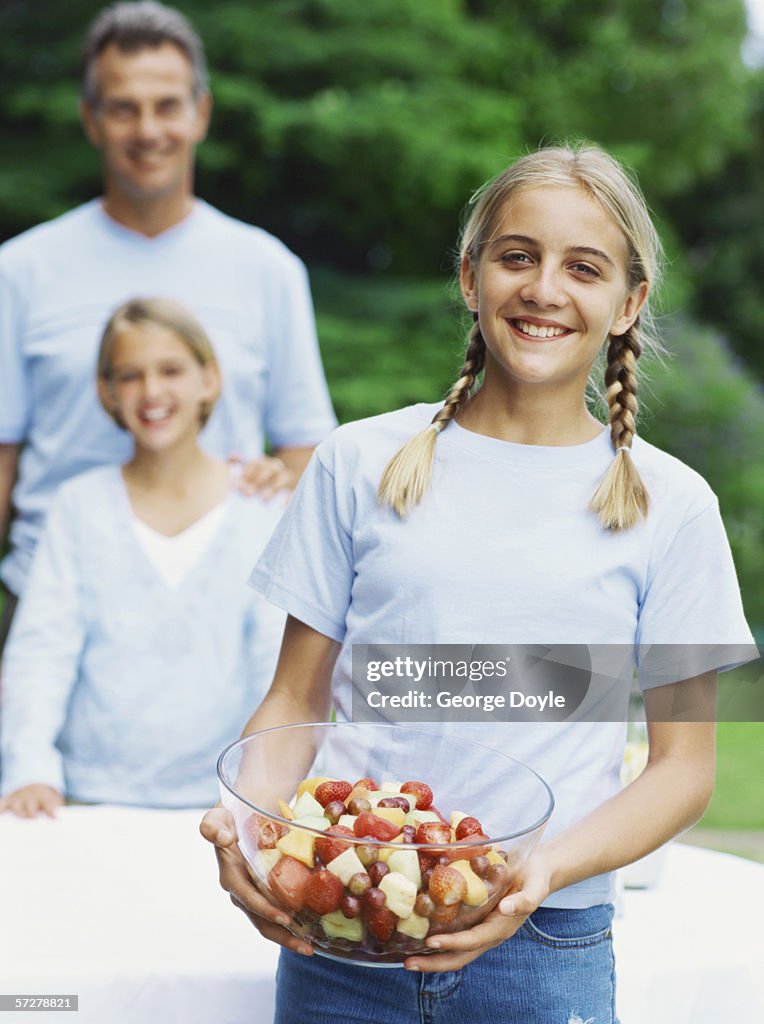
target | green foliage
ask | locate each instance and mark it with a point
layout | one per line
(704, 407)
(721, 223)
(357, 131)
(737, 802)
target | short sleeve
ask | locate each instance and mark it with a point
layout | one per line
(14, 388)
(307, 566)
(298, 410)
(691, 619)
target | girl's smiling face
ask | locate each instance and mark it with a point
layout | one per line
(549, 287)
(157, 386)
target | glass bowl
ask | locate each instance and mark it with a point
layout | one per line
(370, 892)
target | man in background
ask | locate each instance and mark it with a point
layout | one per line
(145, 107)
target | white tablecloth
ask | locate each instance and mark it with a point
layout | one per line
(121, 907)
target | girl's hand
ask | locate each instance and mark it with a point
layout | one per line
(264, 476)
(218, 828)
(29, 801)
(530, 887)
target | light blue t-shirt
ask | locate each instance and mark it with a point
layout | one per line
(503, 550)
(60, 281)
(117, 687)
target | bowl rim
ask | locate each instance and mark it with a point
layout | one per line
(243, 740)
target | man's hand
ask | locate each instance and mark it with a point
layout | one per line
(218, 828)
(264, 476)
(29, 801)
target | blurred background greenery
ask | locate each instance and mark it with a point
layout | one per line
(356, 132)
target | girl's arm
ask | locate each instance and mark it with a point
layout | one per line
(300, 692)
(669, 796)
(40, 666)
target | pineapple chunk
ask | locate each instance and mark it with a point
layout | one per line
(311, 785)
(298, 844)
(494, 858)
(477, 890)
(390, 788)
(400, 893)
(414, 925)
(348, 820)
(285, 810)
(395, 815)
(337, 926)
(346, 865)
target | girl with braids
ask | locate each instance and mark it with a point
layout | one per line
(510, 515)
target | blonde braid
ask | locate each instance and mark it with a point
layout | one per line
(621, 498)
(408, 474)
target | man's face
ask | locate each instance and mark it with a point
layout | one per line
(146, 122)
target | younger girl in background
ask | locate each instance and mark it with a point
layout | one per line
(510, 515)
(138, 649)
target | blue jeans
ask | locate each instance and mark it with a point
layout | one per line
(557, 969)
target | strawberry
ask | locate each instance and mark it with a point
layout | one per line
(433, 832)
(329, 845)
(448, 887)
(263, 831)
(380, 921)
(323, 892)
(332, 790)
(421, 791)
(366, 783)
(368, 824)
(467, 826)
(287, 879)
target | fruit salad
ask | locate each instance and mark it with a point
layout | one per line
(368, 870)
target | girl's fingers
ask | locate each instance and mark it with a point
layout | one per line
(217, 826)
(488, 933)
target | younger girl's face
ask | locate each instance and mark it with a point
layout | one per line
(549, 287)
(157, 385)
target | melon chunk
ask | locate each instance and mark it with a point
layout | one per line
(307, 805)
(337, 926)
(313, 821)
(406, 862)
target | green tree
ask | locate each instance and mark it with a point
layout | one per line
(356, 131)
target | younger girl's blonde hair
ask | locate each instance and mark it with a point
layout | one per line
(621, 498)
(164, 313)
